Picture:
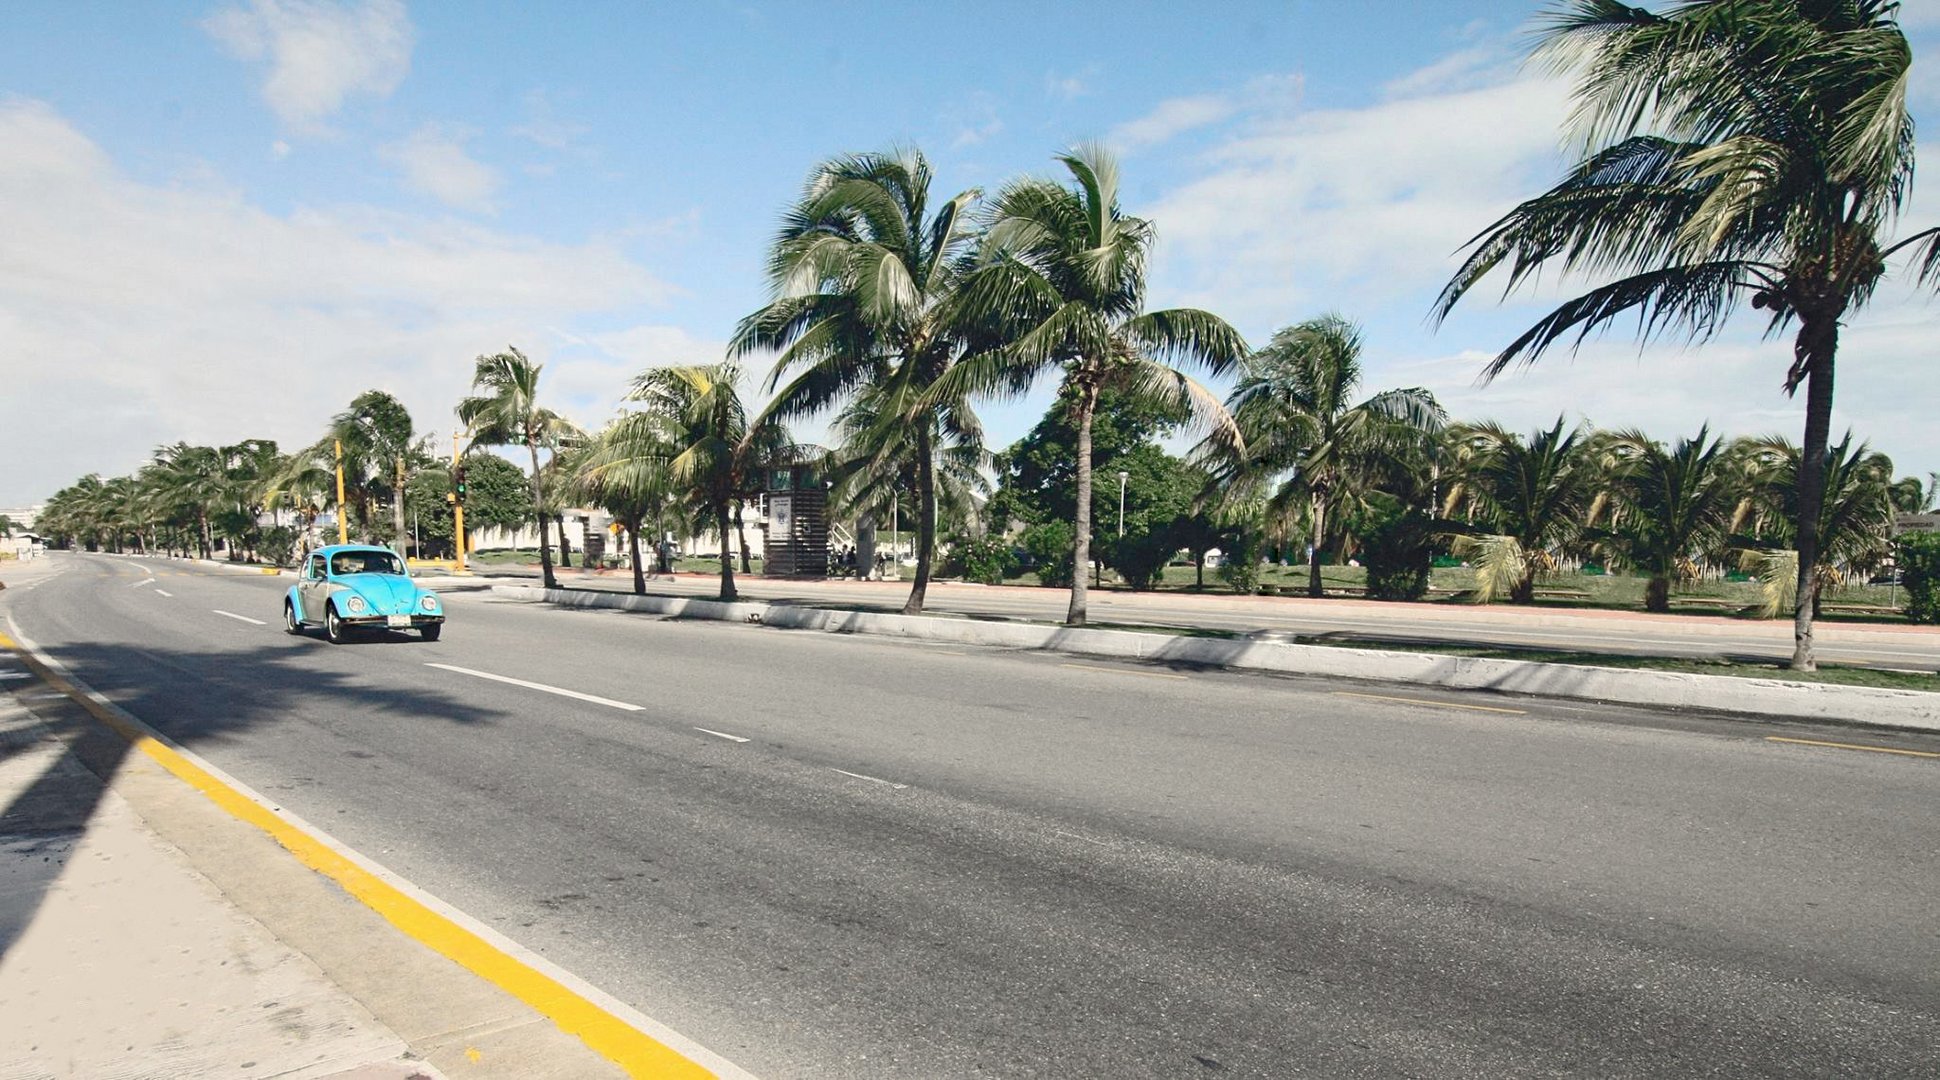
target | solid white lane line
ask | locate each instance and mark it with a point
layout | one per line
(872, 779)
(720, 734)
(539, 686)
(239, 618)
(1075, 836)
(15, 675)
(159, 592)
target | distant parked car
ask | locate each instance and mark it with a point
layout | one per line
(350, 587)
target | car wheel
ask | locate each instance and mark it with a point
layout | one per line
(432, 630)
(291, 623)
(334, 628)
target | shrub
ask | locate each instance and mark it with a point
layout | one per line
(1140, 559)
(1049, 546)
(1398, 548)
(1239, 562)
(985, 559)
(1917, 555)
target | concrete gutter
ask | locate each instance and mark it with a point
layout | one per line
(1763, 698)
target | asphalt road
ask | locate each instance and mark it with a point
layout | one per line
(1691, 635)
(933, 862)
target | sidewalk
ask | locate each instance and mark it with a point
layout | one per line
(145, 932)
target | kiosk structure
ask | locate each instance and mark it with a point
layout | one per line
(796, 543)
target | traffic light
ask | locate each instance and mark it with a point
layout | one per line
(458, 483)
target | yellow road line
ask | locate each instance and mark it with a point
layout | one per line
(1123, 671)
(1432, 701)
(1852, 746)
(620, 1042)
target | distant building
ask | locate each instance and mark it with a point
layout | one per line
(23, 516)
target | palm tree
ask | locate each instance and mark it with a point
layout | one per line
(693, 419)
(1294, 409)
(613, 473)
(378, 440)
(864, 280)
(1855, 517)
(1531, 495)
(1060, 285)
(506, 412)
(1672, 505)
(1734, 148)
(190, 480)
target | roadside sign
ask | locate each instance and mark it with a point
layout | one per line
(1915, 523)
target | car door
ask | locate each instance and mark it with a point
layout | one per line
(313, 589)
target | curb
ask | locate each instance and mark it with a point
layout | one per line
(1762, 698)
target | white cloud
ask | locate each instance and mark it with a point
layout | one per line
(1176, 116)
(975, 120)
(318, 53)
(435, 163)
(1070, 85)
(133, 314)
(545, 126)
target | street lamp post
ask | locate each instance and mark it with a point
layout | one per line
(1121, 503)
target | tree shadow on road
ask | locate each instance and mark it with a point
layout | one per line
(54, 773)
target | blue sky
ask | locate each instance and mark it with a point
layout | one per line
(225, 219)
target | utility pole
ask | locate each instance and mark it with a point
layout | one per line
(343, 526)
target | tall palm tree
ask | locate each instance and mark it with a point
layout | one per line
(1672, 506)
(1294, 408)
(1855, 517)
(1735, 149)
(1059, 285)
(693, 419)
(1530, 494)
(864, 280)
(191, 479)
(505, 411)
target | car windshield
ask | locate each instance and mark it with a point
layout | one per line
(365, 562)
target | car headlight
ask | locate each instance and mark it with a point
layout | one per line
(429, 603)
(356, 605)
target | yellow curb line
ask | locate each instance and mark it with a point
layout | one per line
(1852, 746)
(613, 1038)
(1432, 701)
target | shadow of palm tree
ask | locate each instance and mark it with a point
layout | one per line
(196, 698)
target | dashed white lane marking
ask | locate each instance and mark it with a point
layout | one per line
(159, 592)
(871, 779)
(720, 734)
(1075, 836)
(143, 581)
(15, 675)
(561, 691)
(239, 618)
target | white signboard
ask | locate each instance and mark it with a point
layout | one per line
(1916, 523)
(781, 516)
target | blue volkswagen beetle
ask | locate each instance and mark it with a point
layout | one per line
(347, 587)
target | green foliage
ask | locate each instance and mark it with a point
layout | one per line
(1049, 546)
(1239, 564)
(1918, 557)
(1397, 545)
(984, 559)
(428, 510)
(498, 493)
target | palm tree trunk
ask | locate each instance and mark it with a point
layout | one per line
(1318, 517)
(1817, 343)
(1657, 594)
(741, 535)
(727, 554)
(565, 549)
(633, 550)
(538, 508)
(1081, 540)
(926, 523)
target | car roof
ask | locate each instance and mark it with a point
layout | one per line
(336, 548)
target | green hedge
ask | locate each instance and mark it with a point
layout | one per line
(1918, 558)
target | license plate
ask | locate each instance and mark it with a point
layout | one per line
(400, 620)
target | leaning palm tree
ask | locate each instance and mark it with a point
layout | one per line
(1294, 408)
(625, 473)
(1530, 496)
(1059, 285)
(378, 441)
(1672, 506)
(693, 419)
(506, 412)
(1734, 149)
(863, 277)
